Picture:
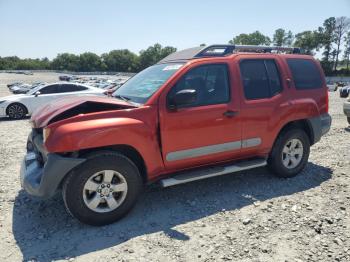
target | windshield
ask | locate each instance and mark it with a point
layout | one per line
(143, 85)
(34, 90)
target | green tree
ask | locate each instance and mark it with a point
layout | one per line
(327, 39)
(154, 54)
(341, 27)
(346, 55)
(66, 61)
(9, 63)
(255, 38)
(283, 38)
(90, 62)
(309, 41)
(120, 61)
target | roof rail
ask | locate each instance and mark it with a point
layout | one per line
(223, 50)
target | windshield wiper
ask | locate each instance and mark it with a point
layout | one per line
(123, 97)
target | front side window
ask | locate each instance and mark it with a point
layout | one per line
(51, 89)
(210, 82)
(305, 73)
(260, 78)
(142, 86)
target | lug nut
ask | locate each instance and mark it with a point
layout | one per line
(99, 190)
(101, 195)
(102, 185)
(108, 185)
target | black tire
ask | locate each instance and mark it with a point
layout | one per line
(73, 187)
(348, 119)
(275, 160)
(16, 111)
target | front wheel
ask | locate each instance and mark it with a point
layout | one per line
(103, 189)
(290, 153)
(16, 111)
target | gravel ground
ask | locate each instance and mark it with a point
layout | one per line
(248, 216)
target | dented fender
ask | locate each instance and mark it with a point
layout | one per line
(95, 133)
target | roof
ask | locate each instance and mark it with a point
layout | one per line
(224, 50)
(182, 55)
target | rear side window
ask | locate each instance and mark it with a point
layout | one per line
(260, 78)
(71, 88)
(305, 73)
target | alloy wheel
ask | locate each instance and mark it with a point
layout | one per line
(292, 153)
(105, 191)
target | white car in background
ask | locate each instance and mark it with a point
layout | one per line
(18, 106)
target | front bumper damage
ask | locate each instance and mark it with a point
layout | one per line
(41, 172)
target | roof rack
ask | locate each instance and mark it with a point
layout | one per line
(224, 50)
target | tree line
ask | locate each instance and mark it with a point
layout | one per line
(328, 38)
(121, 60)
(332, 38)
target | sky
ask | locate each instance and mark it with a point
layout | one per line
(44, 28)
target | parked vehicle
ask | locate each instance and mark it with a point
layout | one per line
(21, 89)
(24, 88)
(198, 113)
(14, 84)
(346, 108)
(18, 106)
(64, 78)
(344, 91)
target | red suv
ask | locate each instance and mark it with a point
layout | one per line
(198, 113)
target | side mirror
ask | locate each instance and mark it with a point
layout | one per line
(37, 93)
(183, 98)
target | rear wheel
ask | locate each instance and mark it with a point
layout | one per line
(16, 111)
(290, 153)
(103, 189)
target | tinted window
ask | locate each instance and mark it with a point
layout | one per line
(305, 73)
(210, 82)
(274, 77)
(255, 81)
(260, 78)
(49, 89)
(70, 88)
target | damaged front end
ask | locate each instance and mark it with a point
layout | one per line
(71, 107)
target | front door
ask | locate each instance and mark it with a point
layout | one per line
(207, 130)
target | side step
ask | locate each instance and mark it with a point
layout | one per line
(185, 177)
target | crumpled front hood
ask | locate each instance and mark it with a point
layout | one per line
(71, 106)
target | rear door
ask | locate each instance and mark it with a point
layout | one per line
(206, 131)
(263, 103)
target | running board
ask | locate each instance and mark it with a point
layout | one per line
(185, 177)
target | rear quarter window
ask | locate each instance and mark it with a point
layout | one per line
(305, 73)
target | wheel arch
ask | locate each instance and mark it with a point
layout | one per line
(18, 103)
(303, 124)
(126, 150)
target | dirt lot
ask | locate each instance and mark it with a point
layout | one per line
(248, 216)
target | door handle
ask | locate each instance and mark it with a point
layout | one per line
(230, 113)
